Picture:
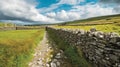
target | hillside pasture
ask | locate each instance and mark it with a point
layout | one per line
(105, 23)
(96, 20)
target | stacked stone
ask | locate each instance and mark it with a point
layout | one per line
(103, 49)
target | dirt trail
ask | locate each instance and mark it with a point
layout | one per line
(42, 54)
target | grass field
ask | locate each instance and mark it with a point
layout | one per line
(106, 24)
(105, 28)
(96, 20)
(16, 47)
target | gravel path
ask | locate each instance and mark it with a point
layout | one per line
(42, 54)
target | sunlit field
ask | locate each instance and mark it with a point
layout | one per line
(104, 28)
(17, 46)
(111, 24)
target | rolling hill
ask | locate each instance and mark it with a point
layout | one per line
(108, 24)
(96, 20)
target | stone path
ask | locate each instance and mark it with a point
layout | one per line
(42, 54)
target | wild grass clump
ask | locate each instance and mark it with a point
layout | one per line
(17, 47)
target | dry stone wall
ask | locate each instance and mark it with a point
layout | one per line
(20, 28)
(7, 28)
(102, 49)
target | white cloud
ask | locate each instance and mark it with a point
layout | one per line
(93, 10)
(47, 9)
(81, 12)
(117, 9)
(70, 2)
(56, 5)
(64, 15)
(21, 10)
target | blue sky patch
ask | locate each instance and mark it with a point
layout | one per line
(45, 3)
(48, 3)
(63, 7)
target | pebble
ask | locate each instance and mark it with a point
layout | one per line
(53, 65)
(47, 65)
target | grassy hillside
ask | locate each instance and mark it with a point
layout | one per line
(105, 23)
(16, 47)
(96, 20)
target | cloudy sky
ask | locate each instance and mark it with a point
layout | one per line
(54, 11)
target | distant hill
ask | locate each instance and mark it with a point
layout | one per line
(95, 20)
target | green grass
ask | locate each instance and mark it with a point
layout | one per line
(18, 34)
(17, 47)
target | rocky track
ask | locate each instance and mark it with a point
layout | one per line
(42, 54)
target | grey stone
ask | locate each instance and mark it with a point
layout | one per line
(113, 34)
(54, 60)
(47, 65)
(113, 57)
(58, 55)
(93, 30)
(118, 43)
(97, 46)
(98, 52)
(58, 63)
(53, 64)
